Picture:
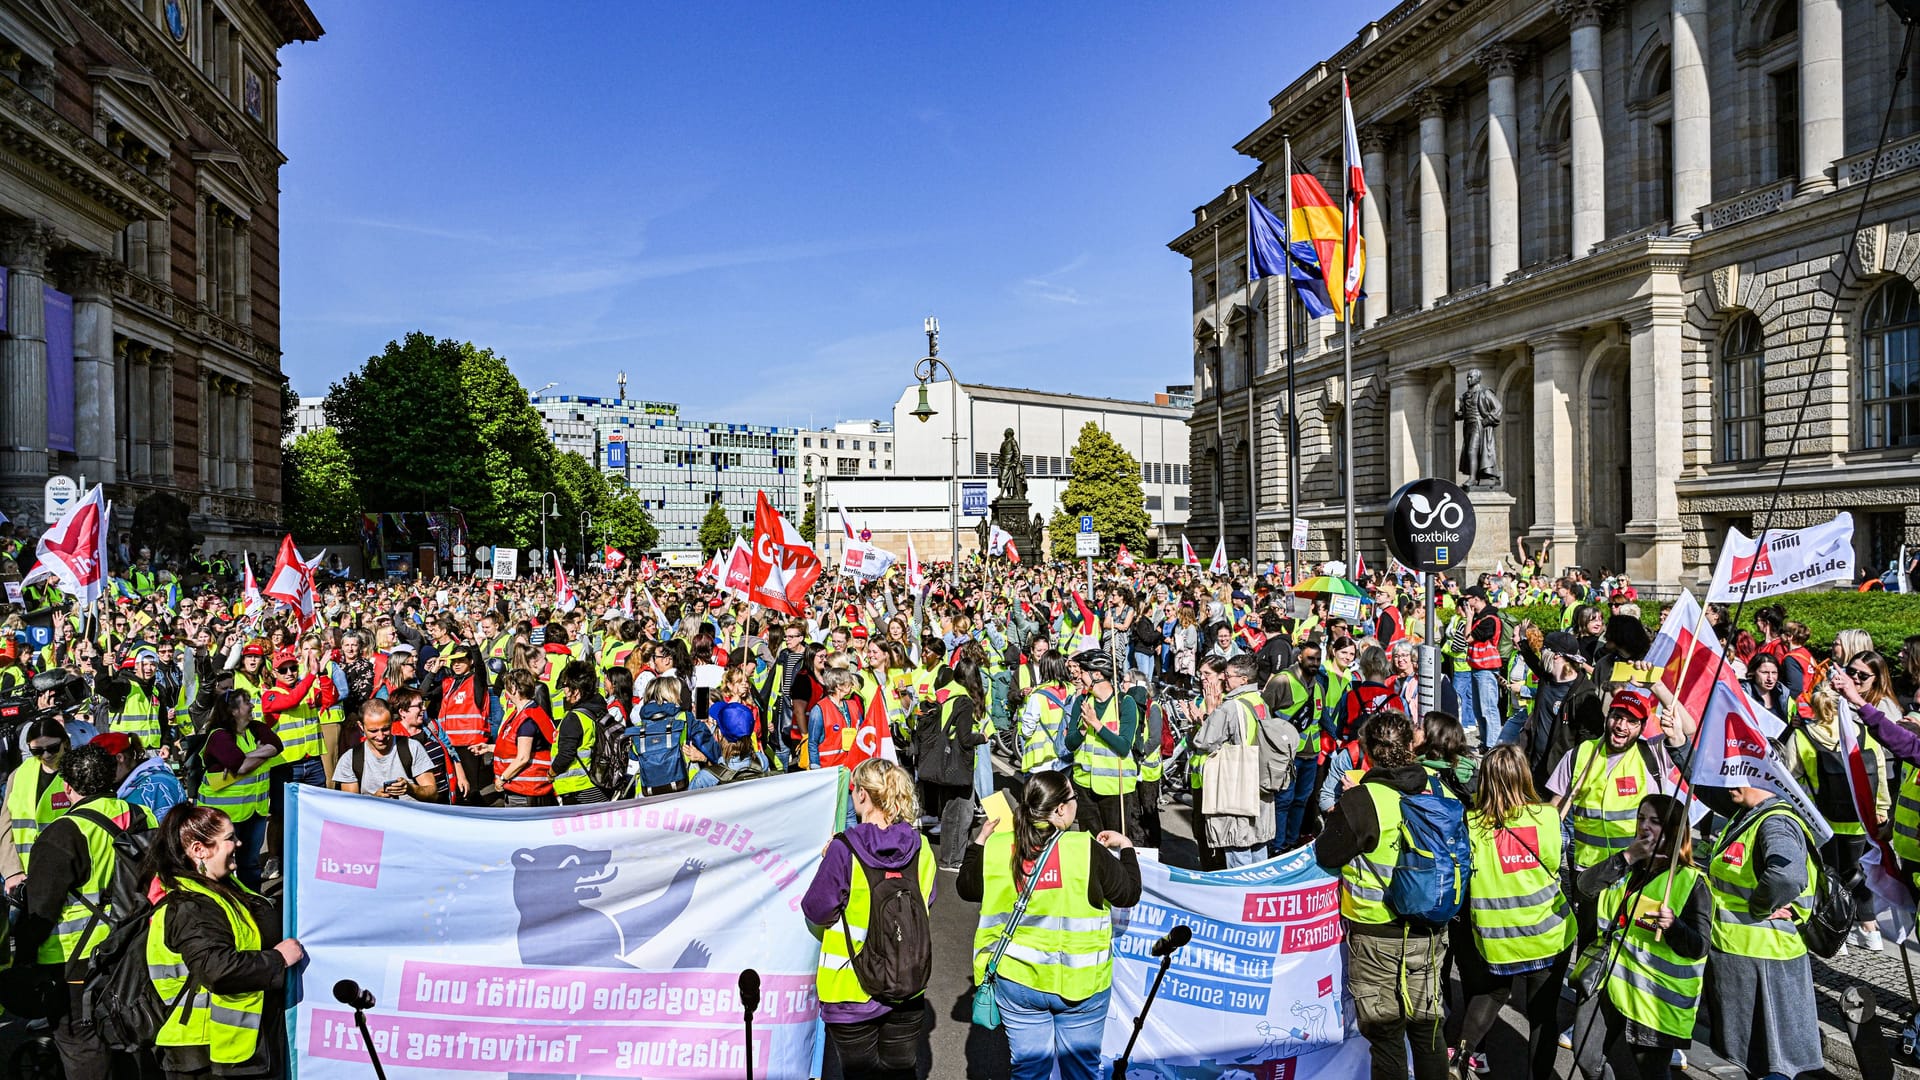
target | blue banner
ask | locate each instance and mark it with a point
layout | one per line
(616, 455)
(1259, 991)
(59, 312)
(973, 498)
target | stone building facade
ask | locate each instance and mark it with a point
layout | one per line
(1633, 217)
(139, 234)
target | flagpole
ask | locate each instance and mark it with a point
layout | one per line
(1293, 425)
(1219, 400)
(1253, 448)
(1345, 309)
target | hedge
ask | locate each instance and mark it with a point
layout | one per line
(1889, 617)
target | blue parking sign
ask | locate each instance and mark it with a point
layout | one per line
(1086, 522)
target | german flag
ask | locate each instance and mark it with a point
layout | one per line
(1317, 221)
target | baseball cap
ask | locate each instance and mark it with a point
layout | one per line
(1634, 702)
(1475, 591)
(113, 742)
(858, 633)
(285, 658)
(1561, 642)
(254, 648)
(734, 720)
(402, 649)
(146, 654)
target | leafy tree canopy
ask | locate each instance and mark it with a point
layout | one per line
(716, 532)
(323, 496)
(1106, 484)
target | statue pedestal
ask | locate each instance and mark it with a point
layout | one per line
(1016, 516)
(1493, 532)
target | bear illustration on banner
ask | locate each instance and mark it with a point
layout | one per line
(551, 888)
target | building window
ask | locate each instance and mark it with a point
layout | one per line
(1180, 502)
(888, 447)
(807, 442)
(1153, 502)
(1337, 430)
(839, 444)
(1742, 391)
(1890, 383)
(873, 463)
(1784, 89)
(1146, 474)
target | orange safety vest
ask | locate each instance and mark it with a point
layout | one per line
(1485, 655)
(537, 777)
(463, 712)
(835, 735)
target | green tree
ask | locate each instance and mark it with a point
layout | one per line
(626, 523)
(617, 513)
(1106, 484)
(807, 524)
(716, 532)
(436, 423)
(323, 494)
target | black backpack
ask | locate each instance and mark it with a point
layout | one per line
(116, 993)
(752, 770)
(404, 746)
(607, 767)
(895, 962)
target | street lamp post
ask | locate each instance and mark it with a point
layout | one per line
(586, 523)
(544, 496)
(925, 371)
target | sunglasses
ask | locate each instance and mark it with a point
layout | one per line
(44, 751)
(1861, 674)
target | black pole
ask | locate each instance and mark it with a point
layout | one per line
(360, 1019)
(749, 1004)
(1165, 948)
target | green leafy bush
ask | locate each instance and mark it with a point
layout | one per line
(1889, 617)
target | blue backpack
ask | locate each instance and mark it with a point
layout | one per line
(654, 744)
(1066, 721)
(1436, 858)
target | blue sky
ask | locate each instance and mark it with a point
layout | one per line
(750, 208)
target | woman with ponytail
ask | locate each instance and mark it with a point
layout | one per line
(1053, 972)
(213, 953)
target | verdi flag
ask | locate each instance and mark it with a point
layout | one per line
(1790, 559)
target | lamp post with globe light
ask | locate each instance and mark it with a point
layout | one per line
(925, 371)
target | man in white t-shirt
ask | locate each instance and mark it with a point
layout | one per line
(384, 766)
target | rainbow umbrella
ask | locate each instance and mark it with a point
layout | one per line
(1326, 586)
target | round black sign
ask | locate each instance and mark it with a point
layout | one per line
(1430, 525)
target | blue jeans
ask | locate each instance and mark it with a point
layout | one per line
(252, 834)
(1290, 805)
(310, 771)
(1246, 856)
(1479, 694)
(982, 771)
(1046, 1029)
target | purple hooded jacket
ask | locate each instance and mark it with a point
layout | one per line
(894, 847)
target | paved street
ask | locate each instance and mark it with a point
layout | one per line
(952, 1040)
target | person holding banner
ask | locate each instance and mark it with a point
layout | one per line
(1056, 972)
(871, 1038)
(213, 932)
(1652, 981)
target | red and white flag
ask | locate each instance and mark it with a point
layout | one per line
(738, 575)
(784, 566)
(249, 587)
(1187, 555)
(1219, 563)
(846, 526)
(615, 558)
(1124, 559)
(1359, 567)
(647, 568)
(562, 588)
(1734, 746)
(626, 605)
(916, 579)
(1791, 559)
(74, 552)
(1355, 252)
(291, 582)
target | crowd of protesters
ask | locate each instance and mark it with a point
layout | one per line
(178, 707)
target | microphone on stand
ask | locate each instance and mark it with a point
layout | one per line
(749, 1004)
(349, 993)
(1164, 949)
(1175, 938)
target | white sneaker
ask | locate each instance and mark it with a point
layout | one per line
(1873, 940)
(1680, 1060)
(1566, 1039)
(1857, 936)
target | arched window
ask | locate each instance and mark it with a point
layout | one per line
(1743, 396)
(1890, 367)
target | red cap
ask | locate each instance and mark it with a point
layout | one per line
(254, 648)
(859, 633)
(113, 742)
(1632, 701)
(284, 658)
(853, 613)
(717, 603)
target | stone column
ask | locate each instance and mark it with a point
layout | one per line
(1822, 93)
(1406, 427)
(223, 264)
(242, 273)
(1653, 536)
(1589, 152)
(137, 244)
(1556, 383)
(24, 247)
(1503, 183)
(93, 279)
(1432, 105)
(159, 264)
(1373, 229)
(1692, 116)
(162, 410)
(244, 452)
(139, 412)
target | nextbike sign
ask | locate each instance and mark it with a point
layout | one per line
(1430, 525)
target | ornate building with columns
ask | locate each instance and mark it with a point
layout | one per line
(139, 239)
(1628, 216)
